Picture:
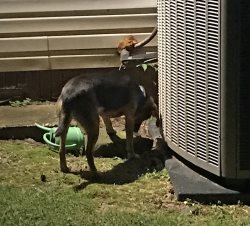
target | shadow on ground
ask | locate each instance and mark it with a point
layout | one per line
(130, 170)
(117, 147)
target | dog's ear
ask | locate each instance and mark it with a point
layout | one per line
(127, 43)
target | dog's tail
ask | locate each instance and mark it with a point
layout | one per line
(64, 118)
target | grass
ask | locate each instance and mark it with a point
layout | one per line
(34, 192)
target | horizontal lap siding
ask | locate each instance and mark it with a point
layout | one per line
(55, 25)
(10, 8)
(58, 34)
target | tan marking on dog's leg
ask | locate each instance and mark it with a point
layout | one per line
(58, 106)
(62, 154)
(64, 121)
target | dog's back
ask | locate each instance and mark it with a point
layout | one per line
(110, 93)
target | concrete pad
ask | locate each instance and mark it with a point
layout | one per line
(188, 184)
(19, 122)
(28, 115)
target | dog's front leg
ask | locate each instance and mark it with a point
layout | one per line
(129, 127)
(108, 124)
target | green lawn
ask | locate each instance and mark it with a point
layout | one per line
(34, 192)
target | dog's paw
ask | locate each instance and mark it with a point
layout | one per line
(111, 133)
(133, 156)
(135, 134)
(65, 169)
(95, 177)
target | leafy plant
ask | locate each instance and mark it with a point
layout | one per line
(18, 103)
(25, 102)
(145, 66)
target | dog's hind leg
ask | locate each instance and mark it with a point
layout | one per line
(92, 139)
(90, 123)
(64, 121)
(62, 153)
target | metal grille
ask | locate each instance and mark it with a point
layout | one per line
(189, 77)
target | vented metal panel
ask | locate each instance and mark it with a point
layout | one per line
(189, 78)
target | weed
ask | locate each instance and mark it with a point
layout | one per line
(25, 102)
(18, 103)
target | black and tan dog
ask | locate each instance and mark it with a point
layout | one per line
(86, 97)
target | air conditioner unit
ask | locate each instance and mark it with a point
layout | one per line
(204, 83)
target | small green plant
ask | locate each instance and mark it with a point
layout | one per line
(145, 66)
(18, 103)
(25, 102)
